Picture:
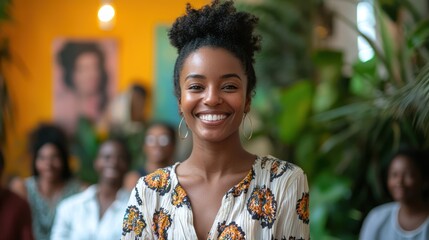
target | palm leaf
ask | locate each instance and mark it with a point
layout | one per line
(413, 100)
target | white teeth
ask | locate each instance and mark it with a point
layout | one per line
(212, 117)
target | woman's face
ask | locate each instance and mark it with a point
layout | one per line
(111, 163)
(86, 77)
(213, 93)
(48, 162)
(404, 180)
(158, 145)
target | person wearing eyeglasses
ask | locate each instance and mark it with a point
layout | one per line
(159, 148)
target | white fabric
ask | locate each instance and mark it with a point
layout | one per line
(78, 217)
(382, 223)
(159, 209)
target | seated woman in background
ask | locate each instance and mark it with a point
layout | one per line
(52, 179)
(159, 148)
(97, 212)
(408, 216)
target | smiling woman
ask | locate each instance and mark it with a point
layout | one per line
(221, 191)
(52, 179)
(408, 216)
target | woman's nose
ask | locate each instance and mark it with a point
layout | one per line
(212, 97)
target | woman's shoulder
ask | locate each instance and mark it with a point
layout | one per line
(277, 166)
(381, 213)
(384, 209)
(159, 180)
(19, 186)
(271, 171)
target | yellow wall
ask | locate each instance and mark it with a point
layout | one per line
(38, 22)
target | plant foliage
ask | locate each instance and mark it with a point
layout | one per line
(341, 129)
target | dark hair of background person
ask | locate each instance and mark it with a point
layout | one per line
(50, 134)
(237, 29)
(170, 129)
(419, 158)
(139, 89)
(67, 58)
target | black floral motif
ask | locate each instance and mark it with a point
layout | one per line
(133, 221)
(137, 195)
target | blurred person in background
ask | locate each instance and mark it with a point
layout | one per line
(15, 213)
(97, 212)
(125, 118)
(408, 216)
(159, 148)
(52, 178)
(126, 113)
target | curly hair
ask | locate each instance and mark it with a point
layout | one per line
(47, 133)
(217, 25)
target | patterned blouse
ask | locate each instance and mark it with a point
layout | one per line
(43, 211)
(271, 202)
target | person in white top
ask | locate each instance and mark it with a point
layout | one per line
(221, 191)
(407, 217)
(94, 213)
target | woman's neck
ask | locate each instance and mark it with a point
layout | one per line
(50, 189)
(220, 158)
(106, 195)
(108, 190)
(412, 215)
(417, 206)
(151, 166)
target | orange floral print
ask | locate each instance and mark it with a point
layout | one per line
(159, 181)
(180, 198)
(278, 168)
(230, 232)
(243, 186)
(133, 221)
(302, 208)
(262, 206)
(161, 223)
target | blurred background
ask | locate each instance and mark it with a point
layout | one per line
(342, 84)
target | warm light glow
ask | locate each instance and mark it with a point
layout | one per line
(106, 13)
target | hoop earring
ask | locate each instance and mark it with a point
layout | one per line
(179, 130)
(251, 127)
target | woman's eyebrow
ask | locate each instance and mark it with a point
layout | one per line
(198, 76)
(231, 75)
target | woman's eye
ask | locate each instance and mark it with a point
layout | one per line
(230, 87)
(195, 87)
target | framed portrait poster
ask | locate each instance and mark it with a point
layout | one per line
(85, 79)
